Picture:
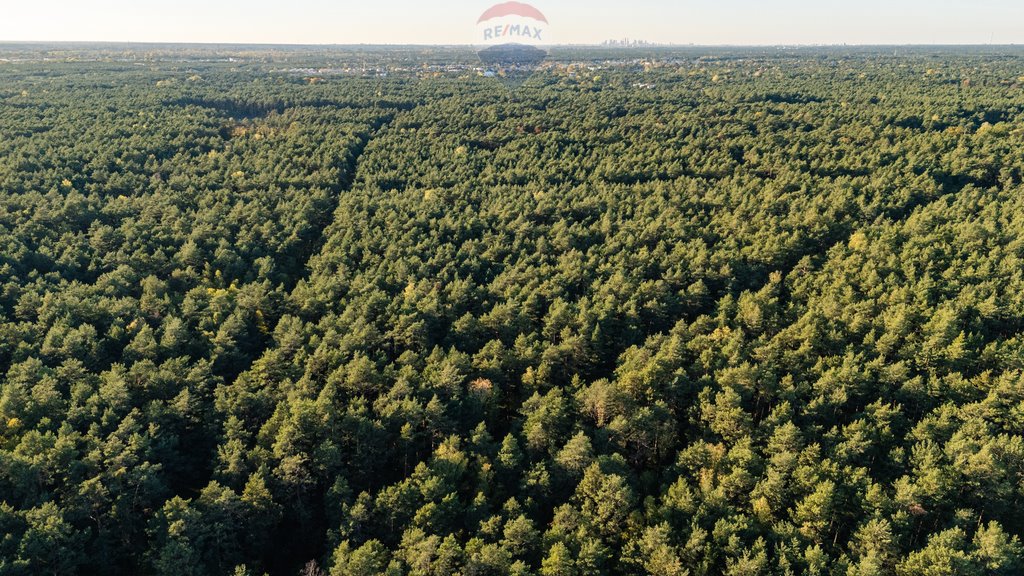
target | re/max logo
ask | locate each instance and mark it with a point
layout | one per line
(513, 30)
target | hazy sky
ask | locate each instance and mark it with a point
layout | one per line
(572, 21)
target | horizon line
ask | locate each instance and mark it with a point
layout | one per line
(471, 46)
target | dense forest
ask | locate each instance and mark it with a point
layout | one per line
(355, 312)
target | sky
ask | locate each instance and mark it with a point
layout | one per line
(704, 22)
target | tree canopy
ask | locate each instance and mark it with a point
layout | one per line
(358, 312)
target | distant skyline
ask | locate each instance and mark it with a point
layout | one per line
(726, 22)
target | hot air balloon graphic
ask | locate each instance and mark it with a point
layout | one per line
(512, 36)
